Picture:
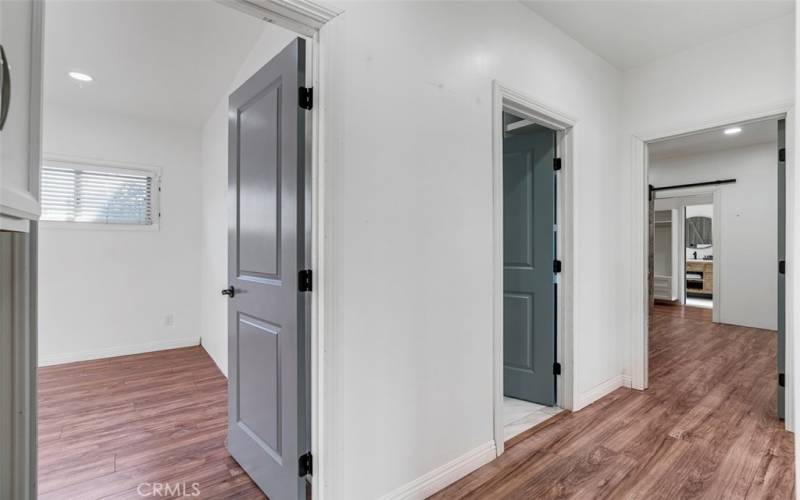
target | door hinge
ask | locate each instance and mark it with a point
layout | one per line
(556, 368)
(305, 465)
(305, 280)
(556, 164)
(306, 99)
(782, 379)
(782, 266)
(782, 154)
(556, 266)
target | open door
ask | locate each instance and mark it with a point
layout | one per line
(781, 268)
(267, 318)
(529, 337)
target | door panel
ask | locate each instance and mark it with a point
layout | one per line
(259, 190)
(528, 253)
(781, 276)
(266, 245)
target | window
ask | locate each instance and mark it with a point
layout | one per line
(98, 194)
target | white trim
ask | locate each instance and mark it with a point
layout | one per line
(97, 226)
(504, 98)
(586, 398)
(14, 224)
(111, 352)
(639, 241)
(18, 203)
(83, 161)
(301, 16)
(439, 478)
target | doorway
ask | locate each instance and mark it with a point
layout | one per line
(722, 191)
(529, 272)
(532, 250)
(123, 190)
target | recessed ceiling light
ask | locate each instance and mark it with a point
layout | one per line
(733, 130)
(81, 77)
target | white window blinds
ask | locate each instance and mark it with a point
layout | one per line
(97, 195)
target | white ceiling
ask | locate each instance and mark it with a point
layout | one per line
(633, 32)
(715, 140)
(167, 60)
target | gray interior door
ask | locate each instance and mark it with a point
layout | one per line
(267, 369)
(528, 254)
(781, 267)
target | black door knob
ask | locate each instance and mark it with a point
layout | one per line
(229, 292)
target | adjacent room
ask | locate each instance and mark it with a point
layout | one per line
(132, 327)
(717, 201)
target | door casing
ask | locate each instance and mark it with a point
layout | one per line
(506, 99)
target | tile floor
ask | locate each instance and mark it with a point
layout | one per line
(699, 302)
(519, 416)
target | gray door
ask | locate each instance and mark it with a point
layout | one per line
(266, 250)
(528, 253)
(781, 265)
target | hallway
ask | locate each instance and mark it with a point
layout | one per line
(706, 427)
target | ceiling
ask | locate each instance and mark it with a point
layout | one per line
(715, 140)
(169, 60)
(631, 33)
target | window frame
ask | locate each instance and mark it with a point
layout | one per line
(61, 161)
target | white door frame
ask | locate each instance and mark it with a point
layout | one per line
(639, 240)
(506, 99)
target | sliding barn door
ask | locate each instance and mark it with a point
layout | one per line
(266, 241)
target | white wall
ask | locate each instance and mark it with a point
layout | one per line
(746, 258)
(747, 73)
(107, 292)
(408, 228)
(747, 255)
(214, 210)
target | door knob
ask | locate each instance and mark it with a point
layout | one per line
(229, 292)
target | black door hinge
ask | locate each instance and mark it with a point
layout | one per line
(782, 154)
(782, 266)
(556, 368)
(556, 266)
(782, 379)
(556, 164)
(305, 280)
(306, 99)
(305, 465)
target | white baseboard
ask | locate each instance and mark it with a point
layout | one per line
(110, 352)
(586, 398)
(435, 480)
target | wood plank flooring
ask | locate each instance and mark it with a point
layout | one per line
(706, 427)
(107, 426)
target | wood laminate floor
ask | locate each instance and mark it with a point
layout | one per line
(107, 426)
(706, 427)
